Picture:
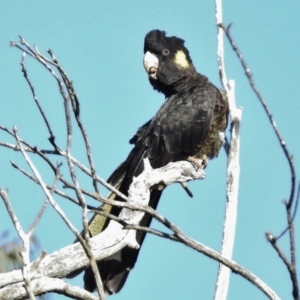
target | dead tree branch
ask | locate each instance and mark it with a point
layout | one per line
(291, 266)
(115, 237)
(233, 166)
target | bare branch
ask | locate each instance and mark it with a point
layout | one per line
(44, 285)
(80, 198)
(282, 143)
(291, 266)
(71, 93)
(233, 167)
(37, 175)
(39, 215)
(26, 245)
(24, 71)
(42, 184)
(294, 213)
(61, 263)
(76, 110)
(42, 154)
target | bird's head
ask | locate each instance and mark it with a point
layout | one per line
(167, 62)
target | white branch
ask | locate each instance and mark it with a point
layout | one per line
(233, 168)
(44, 285)
(71, 258)
(26, 245)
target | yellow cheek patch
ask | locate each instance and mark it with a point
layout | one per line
(180, 59)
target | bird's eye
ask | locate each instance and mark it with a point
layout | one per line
(166, 52)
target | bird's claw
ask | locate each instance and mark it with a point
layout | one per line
(196, 164)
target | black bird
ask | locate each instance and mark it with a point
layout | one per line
(188, 125)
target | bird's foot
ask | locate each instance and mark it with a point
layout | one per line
(204, 161)
(196, 164)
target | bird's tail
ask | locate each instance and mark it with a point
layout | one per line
(114, 270)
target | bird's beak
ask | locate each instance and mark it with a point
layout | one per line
(151, 64)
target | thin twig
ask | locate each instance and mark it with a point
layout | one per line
(58, 151)
(294, 212)
(281, 141)
(76, 110)
(24, 71)
(40, 213)
(289, 204)
(56, 191)
(292, 265)
(26, 244)
(72, 96)
(80, 197)
(86, 247)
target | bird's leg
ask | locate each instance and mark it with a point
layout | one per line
(195, 162)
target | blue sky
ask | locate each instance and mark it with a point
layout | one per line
(100, 46)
